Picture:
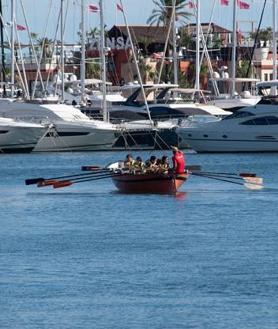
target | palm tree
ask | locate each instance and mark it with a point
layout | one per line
(162, 15)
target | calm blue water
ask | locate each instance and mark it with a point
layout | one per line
(89, 257)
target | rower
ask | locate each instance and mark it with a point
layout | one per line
(129, 162)
(164, 166)
(178, 161)
(139, 164)
(151, 164)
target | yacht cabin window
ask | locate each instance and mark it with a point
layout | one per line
(239, 114)
(262, 121)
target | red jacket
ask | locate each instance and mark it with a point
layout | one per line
(178, 162)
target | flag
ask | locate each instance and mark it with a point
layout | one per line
(20, 27)
(93, 8)
(119, 7)
(224, 2)
(243, 5)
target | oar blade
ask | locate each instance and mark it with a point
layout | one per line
(32, 181)
(47, 182)
(90, 168)
(253, 183)
(246, 174)
(60, 184)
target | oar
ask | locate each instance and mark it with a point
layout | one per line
(65, 183)
(249, 184)
(49, 182)
(31, 181)
(243, 174)
(229, 176)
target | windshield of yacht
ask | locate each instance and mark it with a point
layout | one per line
(239, 114)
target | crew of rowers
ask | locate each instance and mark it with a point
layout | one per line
(158, 166)
(152, 165)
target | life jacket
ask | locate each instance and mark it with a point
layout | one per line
(178, 162)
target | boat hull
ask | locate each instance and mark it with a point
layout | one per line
(149, 183)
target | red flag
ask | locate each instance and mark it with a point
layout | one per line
(93, 8)
(243, 5)
(224, 2)
(20, 27)
(191, 4)
(119, 7)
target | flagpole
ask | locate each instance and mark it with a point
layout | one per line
(12, 46)
(234, 48)
(83, 53)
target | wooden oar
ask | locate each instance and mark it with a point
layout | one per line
(50, 182)
(252, 183)
(42, 180)
(243, 174)
(65, 183)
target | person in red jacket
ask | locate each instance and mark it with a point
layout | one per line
(178, 161)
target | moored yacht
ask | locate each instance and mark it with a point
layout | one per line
(71, 130)
(251, 129)
(19, 137)
(165, 101)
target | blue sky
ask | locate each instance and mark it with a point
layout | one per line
(137, 12)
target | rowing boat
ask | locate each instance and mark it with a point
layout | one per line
(138, 182)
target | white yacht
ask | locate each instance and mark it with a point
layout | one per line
(251, 129)
(71, 130)
(19, 137)
(233, 103)
(165, 101)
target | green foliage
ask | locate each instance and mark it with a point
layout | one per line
(242, 69)
(263, 35)
(162, 13)
(93, 70)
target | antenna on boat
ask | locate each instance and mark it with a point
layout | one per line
(198, 25)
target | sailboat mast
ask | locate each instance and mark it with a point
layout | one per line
(83, 53)
(103, 62)
(274, 50)
(2, 49)
(198, 25)
(175, 60)
(12, 46)
(62, 53)
(234, 49)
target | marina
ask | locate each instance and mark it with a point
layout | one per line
(138, 164)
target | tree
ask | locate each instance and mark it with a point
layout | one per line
(263, 35)
(162, 14)
(46, 46)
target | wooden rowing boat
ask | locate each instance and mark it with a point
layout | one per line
(149, 183)
(139, 182)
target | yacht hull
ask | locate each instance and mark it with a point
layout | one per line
(66, 137)
(19, 139)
